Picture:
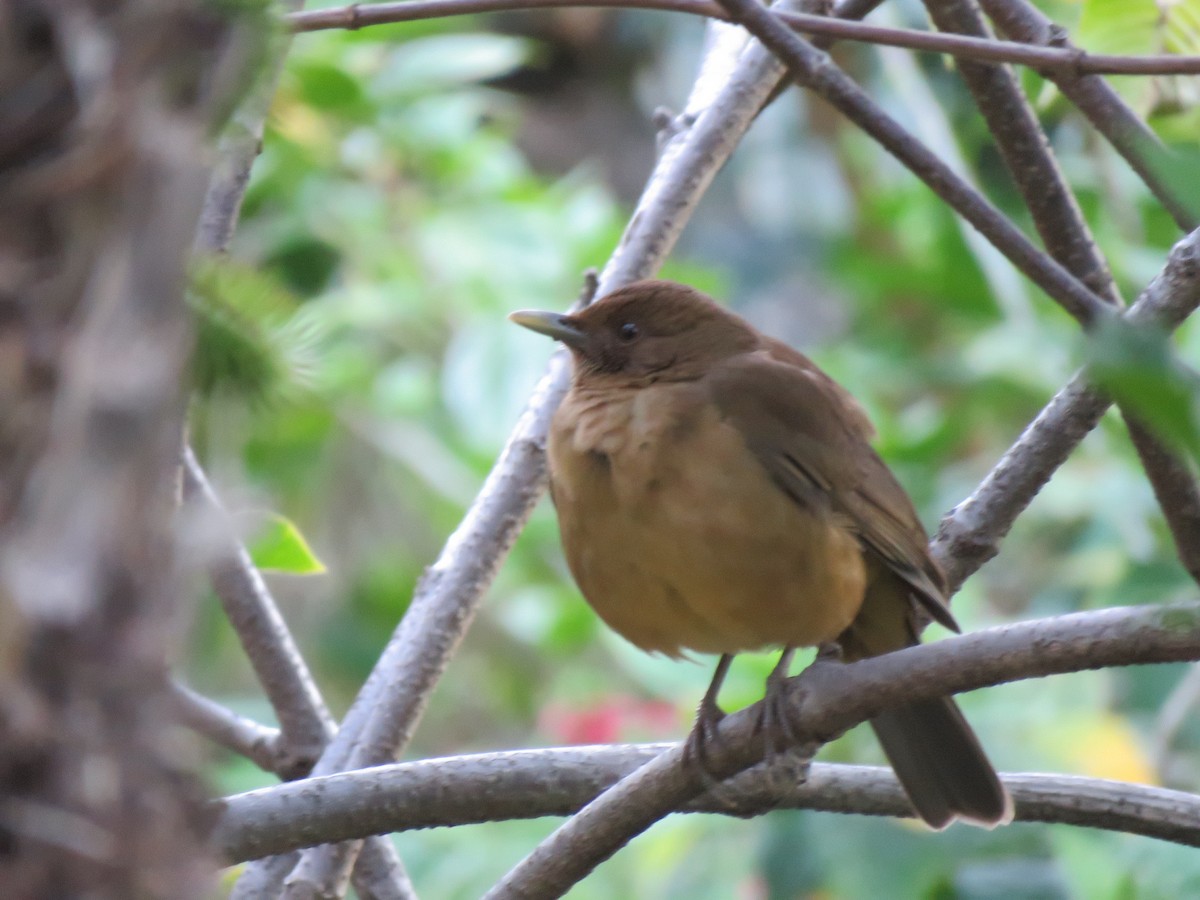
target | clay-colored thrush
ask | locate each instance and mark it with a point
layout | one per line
(716, 492)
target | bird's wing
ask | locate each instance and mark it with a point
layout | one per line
(812, 438)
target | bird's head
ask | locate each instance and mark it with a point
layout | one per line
(646, 331)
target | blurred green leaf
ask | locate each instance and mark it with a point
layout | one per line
(251, 341)
(1136, 366)
(280, 547)
(443, 61)
(1146, 27)
(327, 86)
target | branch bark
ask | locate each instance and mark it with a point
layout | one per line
(1073, 60)
(830, 697)
(970, 534)
(527, 784)
(1107, 112)
(304, 719)
(1064, 232)
(258, 743)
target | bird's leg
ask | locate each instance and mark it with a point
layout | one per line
(774, 720)
(708, 718)
(787, 755)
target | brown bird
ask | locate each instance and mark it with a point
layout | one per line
(716, 492)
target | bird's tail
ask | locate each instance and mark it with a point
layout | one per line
(932, 749)
(941, 765)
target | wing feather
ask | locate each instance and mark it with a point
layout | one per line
(812, 438)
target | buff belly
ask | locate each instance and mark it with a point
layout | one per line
(680, 548)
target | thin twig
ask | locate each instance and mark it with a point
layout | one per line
(304, 719)
(306, 722)
(526, 784)
(239, 146)
(828, 698)
(1175, 490)
(307, 725)
(814, 70)
(357, 16)
(1107, 112)
(258, 743)
(1177, 710)
(970, 534)
(1025, 150)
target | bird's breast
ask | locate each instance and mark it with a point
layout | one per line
(677, 536)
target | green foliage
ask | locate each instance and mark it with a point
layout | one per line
(1146, 27)
(1136, 367)
(251, 340)
(280, 547)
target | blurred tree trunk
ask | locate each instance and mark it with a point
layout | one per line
(104, 115)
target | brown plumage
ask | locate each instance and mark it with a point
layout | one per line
(716, 492)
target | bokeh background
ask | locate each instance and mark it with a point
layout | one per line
(420, 181)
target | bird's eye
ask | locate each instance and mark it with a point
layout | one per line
(628, 331)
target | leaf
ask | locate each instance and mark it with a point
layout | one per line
(448, 61)
(1136, 366)
(325, 86)
(280, 547)
(1146, 27)
(251, 340)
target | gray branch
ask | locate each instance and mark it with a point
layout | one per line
(970, 534)
(304, 719)
(1102, 106)
(829, 697)
(1060, 223)
(258, 743)
(527, 784)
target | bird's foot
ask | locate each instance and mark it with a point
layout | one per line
(788, 749)
(706, 732)
(776, 721)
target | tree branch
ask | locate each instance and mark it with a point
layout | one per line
(1175, 490)
(1064, 232)
(1071, 60)
(1025, 150)
(258, 743)
(527, 784)
(239, 146)
(970, 534)
(1107, 112)
(814, 70)
(830, 697)
(304, 719)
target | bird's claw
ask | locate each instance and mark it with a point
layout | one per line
(705, 733)
(788, 749)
